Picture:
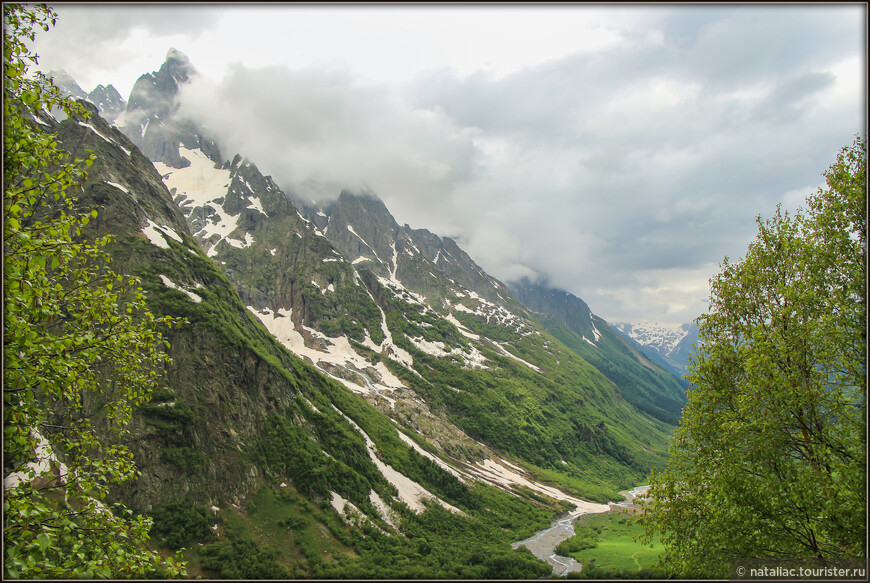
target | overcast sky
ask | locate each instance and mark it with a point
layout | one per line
(620, 152)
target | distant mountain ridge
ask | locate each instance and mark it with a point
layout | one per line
(674, 343)
(109, 102)
(649, 384)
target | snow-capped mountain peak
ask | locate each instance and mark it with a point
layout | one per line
(674, 343)
(664, 338)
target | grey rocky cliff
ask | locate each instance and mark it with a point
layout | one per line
(219, 388)
(108, 101)
(149, 119)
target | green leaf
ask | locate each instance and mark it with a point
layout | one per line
(55, 320)
(44, 541)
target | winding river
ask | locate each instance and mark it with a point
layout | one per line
(544, 542)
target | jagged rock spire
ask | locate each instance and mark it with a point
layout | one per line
(150, 120)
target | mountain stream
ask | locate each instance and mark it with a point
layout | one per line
(544, 542)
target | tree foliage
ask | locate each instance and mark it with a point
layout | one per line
(769, 459)
(80, 349)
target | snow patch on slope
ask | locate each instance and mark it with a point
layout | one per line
(157, 234)
(461, 327)
(249, 240)
(110, 140)
(403, 293)
(118, 186)
(364, 242)
(499, 474)
(437, 460)
(410, 492)
(255, 203)
(494, 313)
(201, 185)
(502, 349)
(170, 284)
(383, 509)
(473, 359)
(337, 352)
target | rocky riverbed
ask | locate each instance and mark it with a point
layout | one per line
(544, 542)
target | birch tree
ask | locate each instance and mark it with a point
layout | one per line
(769, 458)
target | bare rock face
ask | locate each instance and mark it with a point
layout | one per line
(149, 119)
(108, 101)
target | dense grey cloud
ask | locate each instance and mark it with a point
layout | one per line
(653, 158)
(317, 132)
(93, 42)
(623, 171)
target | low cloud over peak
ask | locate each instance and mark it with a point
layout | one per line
(622, 161)
(310, 127)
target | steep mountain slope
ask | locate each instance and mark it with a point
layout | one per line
(242, 422)
(227, 372)
(642, 381)
(407, 320)
(432, 363)
(671, 344)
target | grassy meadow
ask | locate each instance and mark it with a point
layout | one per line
(608, 544)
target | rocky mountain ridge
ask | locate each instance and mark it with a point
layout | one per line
(149, 119)
(344, 286)
(109, 102)
(345, 311)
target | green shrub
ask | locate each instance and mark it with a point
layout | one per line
(180, 524)
(242, 559)
(184, 458)
(585, 537)
(168, 414)
(162, 395)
